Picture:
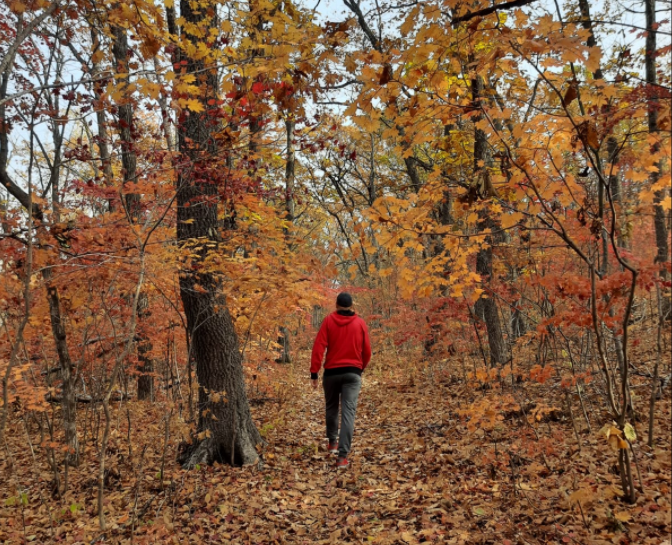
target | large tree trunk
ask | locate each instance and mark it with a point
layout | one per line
(663, 253)
(127, 136)
(225, 431)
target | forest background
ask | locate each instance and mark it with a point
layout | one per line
(186, 186)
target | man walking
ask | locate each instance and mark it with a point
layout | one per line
(346, 339)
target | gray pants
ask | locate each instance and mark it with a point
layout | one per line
(344, 388)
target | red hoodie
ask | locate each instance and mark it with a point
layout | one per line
(346, 340)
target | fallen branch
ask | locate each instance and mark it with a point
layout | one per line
(84, 398)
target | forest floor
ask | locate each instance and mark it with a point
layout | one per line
(433, 461)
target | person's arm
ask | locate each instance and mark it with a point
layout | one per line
(366, 349)
(319, 346)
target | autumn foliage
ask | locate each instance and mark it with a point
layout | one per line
(185, 187)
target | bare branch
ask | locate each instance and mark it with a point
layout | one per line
(487, 11)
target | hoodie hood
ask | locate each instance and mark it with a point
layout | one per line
(342, 319)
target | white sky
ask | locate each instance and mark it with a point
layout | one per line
(334, 10)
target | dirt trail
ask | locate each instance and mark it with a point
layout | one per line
(443, 464)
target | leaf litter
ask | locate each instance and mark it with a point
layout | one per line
(437, 462)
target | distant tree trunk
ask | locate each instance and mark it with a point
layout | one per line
(290, 171)
(165, 112)
(127, 136)
(660, 223)
(518, 324)
(486, 306)
(101, 122)
(225, 430)
(283, 341)
(290, 175)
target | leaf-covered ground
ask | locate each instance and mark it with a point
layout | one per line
(433, 462)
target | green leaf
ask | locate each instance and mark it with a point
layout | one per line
(10, 501)
(24, 498)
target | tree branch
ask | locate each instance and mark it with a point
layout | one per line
(22, 35)
(487, 11)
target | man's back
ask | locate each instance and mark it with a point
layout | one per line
(345, 337)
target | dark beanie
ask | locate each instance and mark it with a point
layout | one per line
(344, 300)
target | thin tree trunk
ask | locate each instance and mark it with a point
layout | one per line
(284, 337)
(486, 305)
(127, 134)
(101, 122)
(69, 401)
(69, 405)
(165, 113)
(290, 171)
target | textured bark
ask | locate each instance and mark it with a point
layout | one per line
(146, 379)
(125, 120)
(225, 430)
(663, 253)
(413, 174)
(486, 306)
(69, 400)
(487, 309)
(127, 136)
(284, 342)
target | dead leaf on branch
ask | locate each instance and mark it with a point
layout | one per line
(571, 94)
(588, 134)
(386, 74)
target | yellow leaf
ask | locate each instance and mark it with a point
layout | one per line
(195, 105)
(623, 516)
(629, 432)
